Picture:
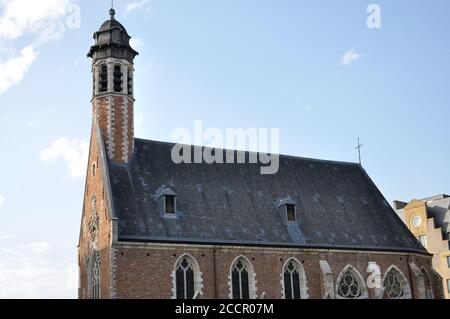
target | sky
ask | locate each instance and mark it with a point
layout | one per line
(313, 69)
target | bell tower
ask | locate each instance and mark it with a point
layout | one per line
(112, 97)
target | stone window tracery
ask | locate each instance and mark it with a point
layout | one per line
(291, 281)
(393, 285)
(187, 278)
(349, 286)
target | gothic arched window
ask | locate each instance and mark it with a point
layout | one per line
(294, 280)
(95, 277)
(396, 285)
(118, 78)
(351, 285)
(242, 280)
(187, 278)
(103, 87)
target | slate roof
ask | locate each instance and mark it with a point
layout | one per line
(338, 206)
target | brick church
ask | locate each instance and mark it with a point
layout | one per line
(151, 228)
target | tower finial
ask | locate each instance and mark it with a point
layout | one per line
(112, 12)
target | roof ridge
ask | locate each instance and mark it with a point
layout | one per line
(249, 152)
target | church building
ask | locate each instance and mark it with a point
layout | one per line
(152, 228)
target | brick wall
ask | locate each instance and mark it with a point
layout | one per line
(94, 186)
(144, 270)
(115, 116)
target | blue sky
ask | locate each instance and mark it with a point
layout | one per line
(231, 64)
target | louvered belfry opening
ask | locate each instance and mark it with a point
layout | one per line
(130, 82)
(118, 79)
(103, 79)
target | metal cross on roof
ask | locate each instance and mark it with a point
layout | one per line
(359, 150)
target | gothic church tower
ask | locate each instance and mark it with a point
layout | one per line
(113, 101)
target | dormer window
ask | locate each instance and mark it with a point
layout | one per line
(116, 35)
(169, 204)
(290, 213)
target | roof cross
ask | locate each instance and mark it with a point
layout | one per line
(359, 150)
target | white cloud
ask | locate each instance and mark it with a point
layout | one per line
(2, 200)
(136, 44)
(349, 57)
(6, 236)
(41, 21)
(134, 5)
(13, 71)
(74, 152)
(35, 276)
(40, 247)
(307, 108)
(30, 16)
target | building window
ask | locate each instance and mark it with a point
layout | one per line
(95, 277)
(423, 240)
(118, 78)
(396, 285)
(393, 285)
(103, 78)
(290, 211)
(169, 204)
(448, 261)
(187, 279)
(351, 285)
(448, 286)
(185, 287)
(292, 281)
(416, 221)
(240, 281)
(94, 169)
